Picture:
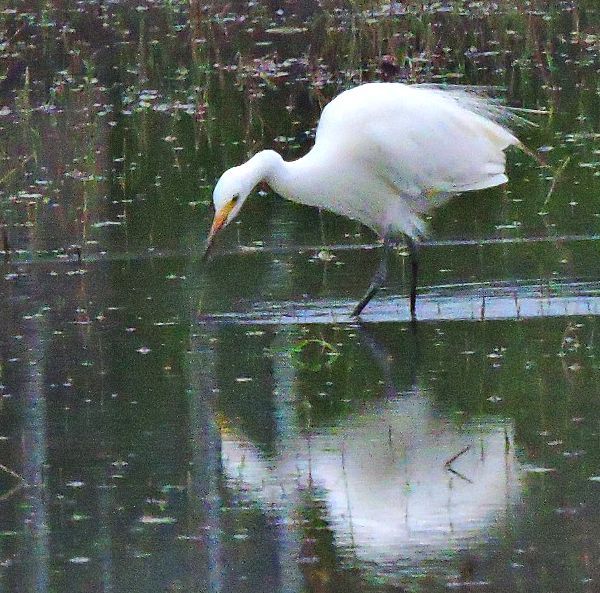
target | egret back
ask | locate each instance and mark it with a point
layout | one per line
(425, 143)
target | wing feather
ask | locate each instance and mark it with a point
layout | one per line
(422, 141)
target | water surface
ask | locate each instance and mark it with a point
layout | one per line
(172, 426)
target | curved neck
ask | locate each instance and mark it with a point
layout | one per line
(291, 180)
(261, 167)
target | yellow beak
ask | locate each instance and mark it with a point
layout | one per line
(218, 223)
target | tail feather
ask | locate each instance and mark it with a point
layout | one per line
(477, 100)
(490, 181)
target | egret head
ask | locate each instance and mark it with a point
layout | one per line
(235, 186)
(229, 196)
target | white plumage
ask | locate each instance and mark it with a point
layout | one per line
(384, 154)
(408, 148)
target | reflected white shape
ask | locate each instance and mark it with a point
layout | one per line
(383, 476)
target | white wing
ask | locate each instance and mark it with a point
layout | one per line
(421, 141)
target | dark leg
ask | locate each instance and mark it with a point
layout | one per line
(5, 245)
(378, 279)
(413, 252)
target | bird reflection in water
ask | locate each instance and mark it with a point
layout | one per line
(400, 481)
(384, 474)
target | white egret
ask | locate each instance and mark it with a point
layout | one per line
(385, 154)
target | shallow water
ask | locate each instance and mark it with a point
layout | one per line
(167, 425)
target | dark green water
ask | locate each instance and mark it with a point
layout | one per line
(172, 426)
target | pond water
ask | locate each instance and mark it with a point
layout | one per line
(169, 425)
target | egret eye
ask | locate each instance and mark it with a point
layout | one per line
(234, 199)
